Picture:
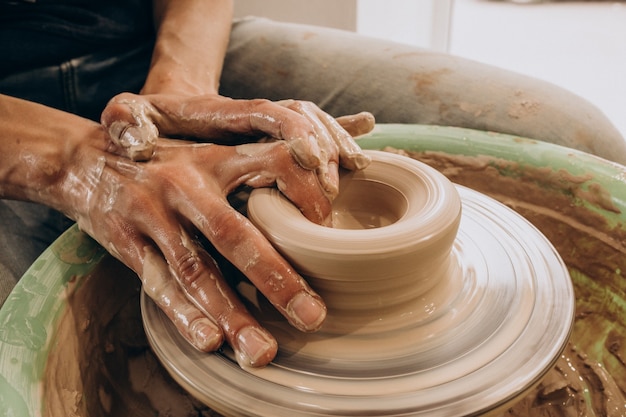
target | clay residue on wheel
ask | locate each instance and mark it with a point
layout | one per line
(589, 379)
(100, 363)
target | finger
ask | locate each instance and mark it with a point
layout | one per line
(328, 170)
(357, 124)
(351, 156)
(280, 122)
(263, 165)
(302, 188)
(161, 286)
(253, 345)
(248, 250)
(127, 119)
(205, 286)
(215, 118)
(192, 324)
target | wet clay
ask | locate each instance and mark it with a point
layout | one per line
(101, 365)
(590, 377)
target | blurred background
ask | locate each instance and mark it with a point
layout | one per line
(579, 45)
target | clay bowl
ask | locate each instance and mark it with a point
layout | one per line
(62, 353)
(394, 224)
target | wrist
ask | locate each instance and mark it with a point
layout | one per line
(41, 147)
(83, 162)
(191, 43)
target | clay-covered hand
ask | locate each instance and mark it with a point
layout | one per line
(317, 140)
(149, 215)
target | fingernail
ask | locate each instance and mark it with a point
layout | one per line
(307, 313)
(255, 347)
(205, 334)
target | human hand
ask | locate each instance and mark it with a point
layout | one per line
(317, 140)
(148, 215)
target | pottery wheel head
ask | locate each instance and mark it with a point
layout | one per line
(442, 301)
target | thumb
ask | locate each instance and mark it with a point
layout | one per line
(127, 119)
(357, 124)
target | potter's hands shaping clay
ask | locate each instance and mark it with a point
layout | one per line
(317, 140)
(148, 215)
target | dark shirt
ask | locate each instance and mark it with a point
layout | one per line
(38, 33)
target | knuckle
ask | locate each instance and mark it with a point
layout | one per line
(298, 106)
(123, 97)
(190, 269)
(224, 226)
(259, 103)
(116, 107)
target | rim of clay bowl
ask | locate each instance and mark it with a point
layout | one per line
(433, 207)
(368, 267)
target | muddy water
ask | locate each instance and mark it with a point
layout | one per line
(101, 364)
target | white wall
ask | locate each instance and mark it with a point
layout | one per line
(424, 23)
(339, 14)
(580, 46)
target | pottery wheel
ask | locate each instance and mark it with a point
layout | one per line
(473, 344)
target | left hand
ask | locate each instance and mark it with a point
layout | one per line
(317, 140)
(150, 216)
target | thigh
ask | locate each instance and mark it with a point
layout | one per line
(26, 230)
(346, 73)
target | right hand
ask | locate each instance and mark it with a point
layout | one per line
(317, 140)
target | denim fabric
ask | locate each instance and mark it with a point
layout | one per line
(343, 73)
(39, 33)
(85, 84)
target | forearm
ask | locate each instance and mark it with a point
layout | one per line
(39, 145)
(192, 37)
